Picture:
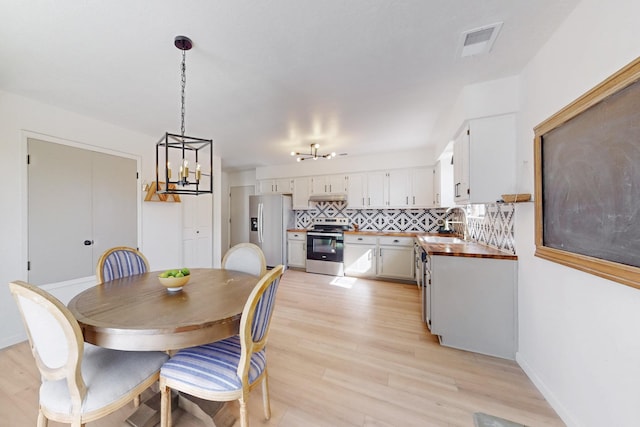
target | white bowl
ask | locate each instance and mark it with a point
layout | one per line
(174, 283)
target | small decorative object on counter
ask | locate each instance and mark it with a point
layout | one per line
(355, 226)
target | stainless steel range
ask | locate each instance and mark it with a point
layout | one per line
(325, 246)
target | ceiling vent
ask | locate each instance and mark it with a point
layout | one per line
(479, 40)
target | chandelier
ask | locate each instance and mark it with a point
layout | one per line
(313, 154)
(192, 156)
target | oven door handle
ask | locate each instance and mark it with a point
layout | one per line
(322, 234)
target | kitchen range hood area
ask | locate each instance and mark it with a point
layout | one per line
(328, 198)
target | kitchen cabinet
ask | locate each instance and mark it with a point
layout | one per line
(396, 258)
(377, 190)
(360, 255)
(301, 192)
(421, 194)
(357, 191)
(296, 249)
(471, 303)
(275, 186)
(437, 184)
(329, 184)
(484, 160)
(379, 256)
(401, 188)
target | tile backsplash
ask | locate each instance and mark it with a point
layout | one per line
(408, 220)
(491, 224)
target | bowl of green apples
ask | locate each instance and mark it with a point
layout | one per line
(174, 279)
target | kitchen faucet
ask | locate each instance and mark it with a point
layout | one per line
(465, 227)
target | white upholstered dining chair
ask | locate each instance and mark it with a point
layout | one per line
(227, 370)
(121, 261)
(80, 382)
(245, 257)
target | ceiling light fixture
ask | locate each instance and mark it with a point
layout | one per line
(193, 155)
(313, 154)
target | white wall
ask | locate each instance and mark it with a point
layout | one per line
(579, 334)
(161, 222)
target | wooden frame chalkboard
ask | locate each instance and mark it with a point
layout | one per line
(587, 181)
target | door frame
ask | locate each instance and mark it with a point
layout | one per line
(24, 185)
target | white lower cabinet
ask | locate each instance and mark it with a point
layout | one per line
(379, 257)
(472, 303)
(296, 249)
(360, 255)
(396, 258)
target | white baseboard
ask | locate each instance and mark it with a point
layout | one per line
(555, 403)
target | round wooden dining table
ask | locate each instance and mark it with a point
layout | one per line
(138, 313)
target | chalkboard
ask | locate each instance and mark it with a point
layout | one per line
(588, 181)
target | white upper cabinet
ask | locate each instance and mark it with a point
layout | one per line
(329, 184)
(275, 186)
(357, 190)
(422, 188)
(402, 188)
(301, 191)
(484, 160)
(399, 188)
(377, 190)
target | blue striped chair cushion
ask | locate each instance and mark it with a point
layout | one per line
(212, 366)
(122, 264)
(263, 311)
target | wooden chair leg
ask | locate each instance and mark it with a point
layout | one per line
(244, 417)
(265, 397)
(42, 420)
(165, 406)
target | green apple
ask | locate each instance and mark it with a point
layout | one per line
(164, 275)
(179, 274)
(185, 271)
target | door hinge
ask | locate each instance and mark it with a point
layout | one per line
(137, 175)
(28, 265)
(468, 131)
(28, 159)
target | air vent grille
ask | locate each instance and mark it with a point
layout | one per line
(479, 40)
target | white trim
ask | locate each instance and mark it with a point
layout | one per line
(548, 394)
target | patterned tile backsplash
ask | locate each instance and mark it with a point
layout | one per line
(492, 224)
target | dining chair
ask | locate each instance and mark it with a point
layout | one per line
(245, 257)
(121, 261)
(80, 382)
(229, 369)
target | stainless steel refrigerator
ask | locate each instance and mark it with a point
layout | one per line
(270, 217)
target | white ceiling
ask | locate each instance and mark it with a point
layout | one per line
(264, 77)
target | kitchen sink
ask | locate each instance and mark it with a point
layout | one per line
(443, 239)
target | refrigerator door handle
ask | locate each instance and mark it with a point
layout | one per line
(260, 222)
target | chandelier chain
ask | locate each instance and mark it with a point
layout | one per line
(183, 69)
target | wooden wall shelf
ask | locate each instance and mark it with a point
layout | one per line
(153, 196)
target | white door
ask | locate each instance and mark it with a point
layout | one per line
(197, 233)
(80, 203)
(239, 214)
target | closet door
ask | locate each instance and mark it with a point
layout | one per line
(59, 213)
(114, 203)
(81, 202)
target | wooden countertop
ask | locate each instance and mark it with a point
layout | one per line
(462, 249)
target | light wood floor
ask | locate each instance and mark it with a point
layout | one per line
(344, 352)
